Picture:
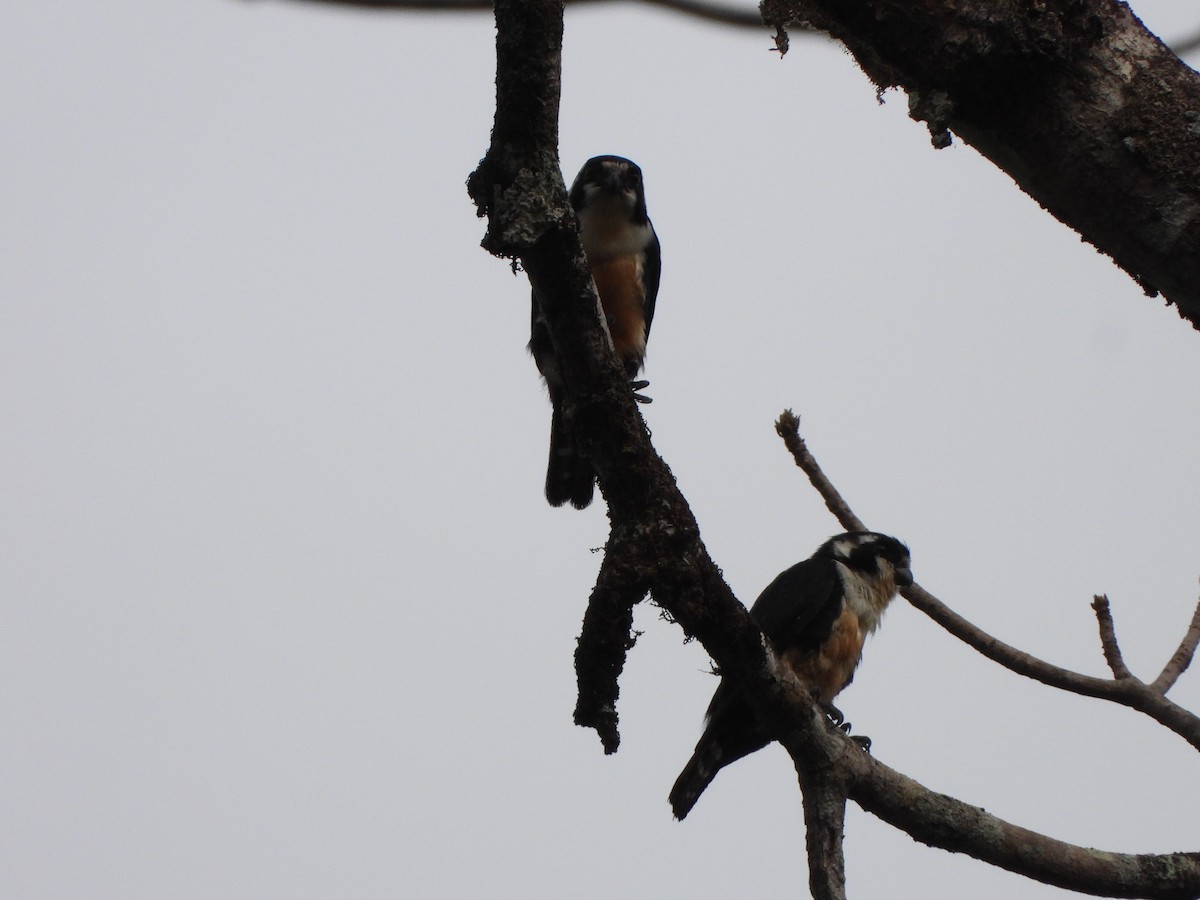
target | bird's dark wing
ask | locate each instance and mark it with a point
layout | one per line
(798, 608)
(651, 274)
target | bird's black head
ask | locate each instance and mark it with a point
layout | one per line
(872, 554)
(610, 178)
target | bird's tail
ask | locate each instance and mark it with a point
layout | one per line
(569, 476)
(697, 775)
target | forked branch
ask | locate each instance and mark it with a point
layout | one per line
(1181, 658)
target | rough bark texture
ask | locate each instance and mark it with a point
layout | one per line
(941, 821)
(1089, 113)
(824, 825)
(655, 542)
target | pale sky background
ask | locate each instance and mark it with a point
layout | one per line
(283, 613)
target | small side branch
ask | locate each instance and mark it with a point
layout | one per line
(787, 426)
(1108, 638)
(1181, 658)
(605, 639)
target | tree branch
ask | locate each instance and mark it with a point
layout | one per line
(1087, 111)
(938, 820)
(720, 13)
(605, 640)
(1181, 658)
(788, 428)
(942, 821)
(1108, 638)
(824, 798)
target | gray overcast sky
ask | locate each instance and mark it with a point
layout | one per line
(282, 610)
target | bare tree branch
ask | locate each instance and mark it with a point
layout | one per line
(1181, 658)
(1127, 691)
(605, 641)
(720, 13)
(1087, 111)
(942, 821)
(938, 820)
(1108, 638)
(788, 428)
(824, 798)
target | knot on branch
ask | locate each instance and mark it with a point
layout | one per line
(522, 196)
(522, 213)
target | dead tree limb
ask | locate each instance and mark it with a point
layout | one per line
(1181, 658)
(1091, 114)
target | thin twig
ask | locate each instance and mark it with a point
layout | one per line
(788, 428)
(721, 13)
(1108, 638)
(1181, 658)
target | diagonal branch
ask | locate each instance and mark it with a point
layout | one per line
(1085, 109)
(1181, 658)
(1128, 692)
(788, 428)
(942, 821)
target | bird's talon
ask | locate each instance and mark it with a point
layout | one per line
(835, 714)
(863, 741)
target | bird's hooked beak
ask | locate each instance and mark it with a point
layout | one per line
(614, 180)
(903, 576)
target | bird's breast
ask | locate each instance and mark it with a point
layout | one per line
(619, 281)
(832, 665)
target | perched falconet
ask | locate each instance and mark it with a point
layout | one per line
(624, 256)
(817, 615)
